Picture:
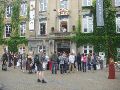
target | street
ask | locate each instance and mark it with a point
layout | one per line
(14, 79)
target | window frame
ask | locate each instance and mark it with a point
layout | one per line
(43, 47)
(21, 49)
(23, 29)
(117, 24)
(87, 3)
(64, 19)
(87, 48)
(116, 4)
(65, 5)
(39, 32)
(23, 12)
(8, 11)
(42, 6)
(9, 30)
(87, 18)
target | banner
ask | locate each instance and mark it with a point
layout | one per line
(99, 13)
(32, 15)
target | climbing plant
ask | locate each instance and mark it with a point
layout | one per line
(103, 38)
(15, 38)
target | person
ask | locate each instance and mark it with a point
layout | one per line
(111, 69)
(4, 61)
(40, 69)
(89, 61)
(94, 61)
(84, 62)
(54, 59)
(71, 62)
(24, 62)
(61, 63)
(101, 61)
(79, 61)
(30, 63)
(15, 60)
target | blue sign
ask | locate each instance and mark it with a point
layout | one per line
(99, 13)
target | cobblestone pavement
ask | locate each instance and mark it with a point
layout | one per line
(14, 79)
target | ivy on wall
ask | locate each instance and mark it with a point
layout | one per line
(103, 38)
(15, 39)
(1, 26)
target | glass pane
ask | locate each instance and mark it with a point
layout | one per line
(85, 51)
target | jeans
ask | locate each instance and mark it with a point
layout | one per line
(61, 68)
(54, 68)
(79, 66)
(84, 66)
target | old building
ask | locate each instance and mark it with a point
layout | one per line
(56, 20)
(52, 22)
(23, 31)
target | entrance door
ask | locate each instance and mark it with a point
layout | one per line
(67, 50)
(63, 47)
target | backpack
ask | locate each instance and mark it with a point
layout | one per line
(36, 59)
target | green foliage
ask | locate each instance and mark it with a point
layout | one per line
(15, 39)
(13, 43)
(15, 18)
(103, 38)
(1, 24)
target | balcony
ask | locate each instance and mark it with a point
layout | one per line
(61, 35)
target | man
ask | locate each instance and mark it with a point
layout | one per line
(71, 62)
(54, 59)
(39, 63)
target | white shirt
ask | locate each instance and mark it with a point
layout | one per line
(71, 58)
(102, 57)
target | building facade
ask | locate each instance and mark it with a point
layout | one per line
(116, 4)
(52, 22)
(55, 21)
(24, 25)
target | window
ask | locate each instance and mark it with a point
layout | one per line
(43, 5)
(64, 4)
(118, 23)
(21, 50)
(117, 2)
(86, 2)
(5, 48)
(87, 23)
(42, 47)
(63, 24)
(8, 11)
(42, 28)
(23, 9)
(118, 54)
(22, 29)
(7, 30)
(87, 49)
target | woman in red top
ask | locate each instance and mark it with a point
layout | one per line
(111, 69)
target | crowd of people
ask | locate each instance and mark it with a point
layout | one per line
(57, 61)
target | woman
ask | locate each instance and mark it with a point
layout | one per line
(111, 69)
(30, 64)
